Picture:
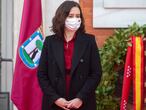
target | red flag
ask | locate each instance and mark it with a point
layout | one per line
(26, 93)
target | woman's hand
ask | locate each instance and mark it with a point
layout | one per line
(61, 102)
(75, 103)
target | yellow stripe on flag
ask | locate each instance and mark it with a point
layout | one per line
(138, 73)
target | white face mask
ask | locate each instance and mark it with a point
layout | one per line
(73, 23)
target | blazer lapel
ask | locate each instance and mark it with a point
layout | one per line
(58, 51)
(79, 48)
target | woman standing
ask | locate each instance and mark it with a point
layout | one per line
(69, 69)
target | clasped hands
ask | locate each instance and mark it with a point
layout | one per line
(68, 105)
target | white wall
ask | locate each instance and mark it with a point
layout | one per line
(118, 13)
(18, 5)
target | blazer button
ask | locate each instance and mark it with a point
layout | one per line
(81, 77)
(81, 60)
(53, 62)
(56, 78)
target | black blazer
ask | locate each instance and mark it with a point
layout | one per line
(85, 72)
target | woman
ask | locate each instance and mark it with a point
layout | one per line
(69, 69)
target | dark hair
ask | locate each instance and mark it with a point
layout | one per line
(60, 16)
